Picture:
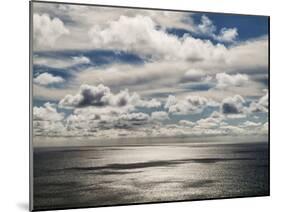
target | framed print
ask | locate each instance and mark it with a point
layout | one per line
(138, 105)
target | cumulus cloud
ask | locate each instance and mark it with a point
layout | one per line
(227, 35)
(47, 79)
(159, 115)
(130, 120)
(47, 30)
(187, 105)
(261, 105)
(171, 64)
(89, 121)
(206, 26)
(250, 124)
(48, 128)
(153, 103)
(137, 34)
(134, 117)
(193, 75)
(213, 121)
(47, 113)
(233, 105)
(101, 96)
(87, 96)
(140, 35)
(186, 123)
(226, 80)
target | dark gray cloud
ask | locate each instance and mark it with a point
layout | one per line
(101, 96)
(233, 105)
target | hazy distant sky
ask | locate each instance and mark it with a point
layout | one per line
(114, 72)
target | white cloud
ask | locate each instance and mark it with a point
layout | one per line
(261, 105)
(213, 121)
(137, 34)
(187, 105)
(225, 81)
(81, 60)
(153, 103)
(47, 30)
(250, 124)
(79, 19)
(48, 128)
(47, 113)
(134, 117)
(140, 35)
(249, 56)
(159, 115)
(194, 75)
(206, 26)
(186, 123)
(227, 35)
(264, 128)
(60, 62)
(110, 110)
(47, 79)
(114, 123)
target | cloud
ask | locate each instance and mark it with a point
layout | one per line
(47, 30)
(109, 122)
(81, 60)
(264, 101)
(164, 90)
(92, 96)
(47, 79)
(250, 56)
(186, 123)
(261, 105)
(206, 26)
(136, 34)
(159, 115)
(134, 117)
(227, 35)
(129, 120)
(233, 105)
(101, 96)
(140, 35)
(47, 121)
(79, 19)
(225, 80)
(194, 75)
(187, 105)
(153, 103)
(47, 113)
(215, 120)
(60, 62)
(250, 124)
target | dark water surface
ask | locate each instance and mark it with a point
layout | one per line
(138, 172)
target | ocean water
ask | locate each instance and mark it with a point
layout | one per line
(149, 170)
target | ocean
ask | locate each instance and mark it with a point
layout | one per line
(128, 171)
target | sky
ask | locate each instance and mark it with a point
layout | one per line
(105, 72)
